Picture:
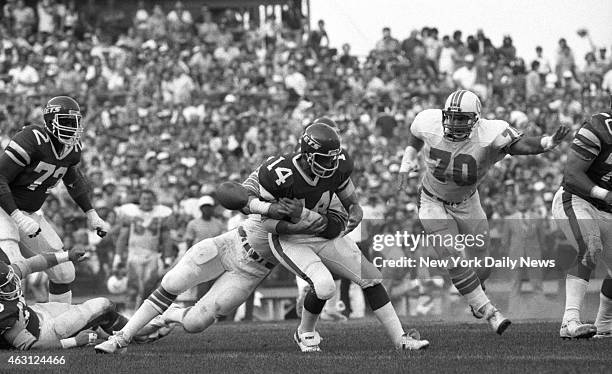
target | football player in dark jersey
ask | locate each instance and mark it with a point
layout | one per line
(49, 325)
(309, 179)
(34, 162)
(583, 209)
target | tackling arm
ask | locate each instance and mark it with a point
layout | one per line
(531, 145)
(45, 261)
(576, 178)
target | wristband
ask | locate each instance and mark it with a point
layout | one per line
(599, 193)
(547, 143)
(68, 343)
(61, 257)
(257, 206)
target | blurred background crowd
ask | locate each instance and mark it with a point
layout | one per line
(180, 97)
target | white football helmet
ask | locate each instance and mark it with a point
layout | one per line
(459, 115)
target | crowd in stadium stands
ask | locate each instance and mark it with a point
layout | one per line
(185, 99)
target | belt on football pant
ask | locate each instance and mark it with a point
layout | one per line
(251, 252)
(426, 192)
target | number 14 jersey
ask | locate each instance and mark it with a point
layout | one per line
(454, 169)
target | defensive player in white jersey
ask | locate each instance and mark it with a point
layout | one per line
(459, 147)
(144, 234)
(583, 209)
(237, 261)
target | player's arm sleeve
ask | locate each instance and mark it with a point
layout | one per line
(308, 219)
(507, 139)
(584, 149)
(12, 161)
(78, 187)
(38, 263)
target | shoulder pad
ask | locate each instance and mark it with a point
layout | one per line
(345, 165)
(24, 145)
(276, 175)
(601, 125)
(428, 121)
(497, 133)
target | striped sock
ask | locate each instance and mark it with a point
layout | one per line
(467, 283)
(155, 304)
(464, 279)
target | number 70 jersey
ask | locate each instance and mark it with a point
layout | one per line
(454, 169)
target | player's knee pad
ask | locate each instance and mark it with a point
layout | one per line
(376, 296)
(320, 280)
(9, 251)
(62, 274)
(175, 281)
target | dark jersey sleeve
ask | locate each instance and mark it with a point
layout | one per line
(345, 169)
(591, 136)
(22, 148)
(275, 178)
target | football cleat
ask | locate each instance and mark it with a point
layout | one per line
(308, 341)
(496, 320)
(411, 341)
(575, 329)
(116, 343)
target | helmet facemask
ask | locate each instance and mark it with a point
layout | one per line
(458, 125)
(67, 128)
(11, 288)
(324, 165)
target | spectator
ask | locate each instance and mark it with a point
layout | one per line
(387, 44)
(465, 76)
(207, 226)
(318, 38)
(533, 81)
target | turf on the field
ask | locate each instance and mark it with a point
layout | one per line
(352, 347)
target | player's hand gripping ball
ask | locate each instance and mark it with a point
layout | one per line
(232, 195)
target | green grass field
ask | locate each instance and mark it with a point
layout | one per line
(351, 347)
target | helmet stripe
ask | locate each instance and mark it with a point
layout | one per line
(460, 97)
(453, 97)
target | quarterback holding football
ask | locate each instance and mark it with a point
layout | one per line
(459, 147)
(34, 162)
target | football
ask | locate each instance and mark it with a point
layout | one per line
(232, 195)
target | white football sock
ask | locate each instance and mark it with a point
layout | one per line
(65, 298)
(477, 298)
(393, 327)
(143, 315)
(575, 289)
(604, 315)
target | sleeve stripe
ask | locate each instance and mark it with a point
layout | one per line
(586, 142)
(346, 191)
(19, 149)
(583, 152)
(14, 158)
(587, 134)
(344, 184)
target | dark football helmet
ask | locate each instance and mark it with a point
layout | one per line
(10, 284)
(320, 145)
(63, 119)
